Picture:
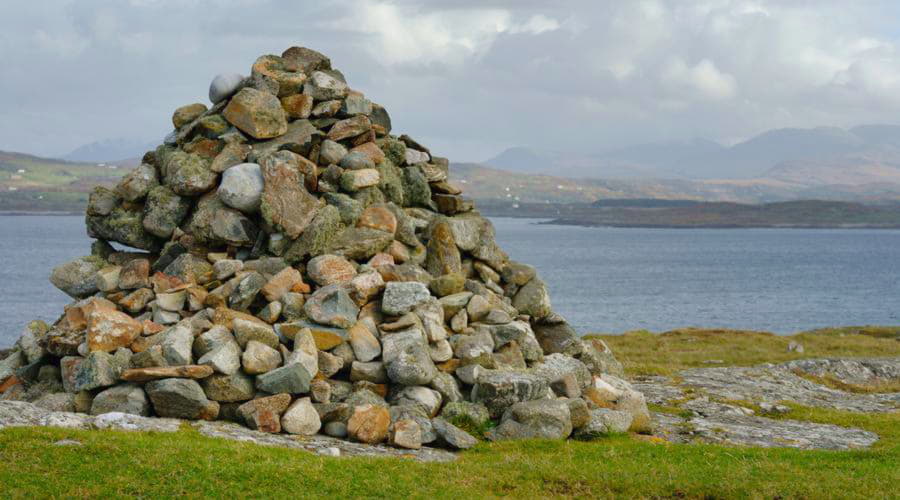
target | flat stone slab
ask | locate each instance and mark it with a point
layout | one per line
(703, 394)
(773, 383)
(21, 414)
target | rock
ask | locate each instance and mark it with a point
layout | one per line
(447, 386)
(259, 358)
(99, 369)
(369, 424)
(351, 127)
(406, 433)
(297, 106)
(259, 114)
(532, 299)
(286, 203)
(224, 86)
(377, 217)
(603, 422)
(181, 398)
(443, 255)
(56, 401)
(286, 280)
(475, 414)
(189, 174)
(359, 243)
(324, 87)
(370, 371)
(242, 187)
(356, 160)
(291, 378)
(452, 436)
(331, 152)
(301, 418)
(137, 183)
(305, 352)
(355, 180)
(246, 330)
(427, 399)
(264, 414)
(331, 305)
(176, 344)
(76, 277)
(366, 346)
(401, 297)
(124, 398)
(229, 388)
(556, 366)
(187, 114)
(546, 418)
(330, 269)
(795, 347)
(225, 358)
(156, 373)
(558, 338)
(412, 366)
(498, 390)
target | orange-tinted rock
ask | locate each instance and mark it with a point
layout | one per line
(225, 316)
(378, 218)
(443, 255)
(371, 150)
(137, 300)
(369, 424)
(282, 283)
(151, 328)
(108, 330)
(286, 202)
(449, 366)
(381, 259)
(259, 114)
(158, 372)
(351, 127)
(162, 283)
(78, 313)
(330, 269)
(297, 105)
(264, 414)
(134, 274)
(399, 252)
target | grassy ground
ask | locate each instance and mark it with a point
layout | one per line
(646, 353)
(123, 464)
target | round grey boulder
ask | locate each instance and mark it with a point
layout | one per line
(241, 187)
(224, 86)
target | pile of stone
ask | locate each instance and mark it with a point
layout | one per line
(303, 270)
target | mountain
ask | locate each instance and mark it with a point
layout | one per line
(110, 150)
(815, 156)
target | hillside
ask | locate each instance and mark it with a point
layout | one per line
(33, 184)
(815, 156)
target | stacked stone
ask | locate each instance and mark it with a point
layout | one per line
(304, 270)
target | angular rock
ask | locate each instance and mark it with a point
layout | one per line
(452, 436)
(156, 373)
(292, 378)
(259, 114)
(331, 305)
(181, 398)
(264, 414)
(401, 297)
(124, 398)
(546, 418)
(498, 390)
(301, 418)
(369, 424)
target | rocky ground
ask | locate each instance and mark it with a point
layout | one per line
(751, 405)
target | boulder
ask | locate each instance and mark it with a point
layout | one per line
(301, 418)
(181, 398)
(258, 114)
(241, 187)
(369, 424)
(124, 398)
(545, 418)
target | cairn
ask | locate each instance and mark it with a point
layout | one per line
(303, 270)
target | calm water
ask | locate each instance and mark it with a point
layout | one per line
(601, 279)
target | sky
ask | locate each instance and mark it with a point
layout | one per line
(469, 78)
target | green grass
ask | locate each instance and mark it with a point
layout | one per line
(113, 463)
(123, 464)
(646, 353)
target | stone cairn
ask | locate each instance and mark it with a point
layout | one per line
(303, 270)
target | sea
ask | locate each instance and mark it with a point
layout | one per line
(608, 280)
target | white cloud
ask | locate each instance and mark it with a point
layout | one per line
(703, 80)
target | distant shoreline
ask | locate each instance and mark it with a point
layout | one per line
(566, 222)
(22, 213)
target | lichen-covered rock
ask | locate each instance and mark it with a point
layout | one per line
(76, 277)
(259, 114)
(181, 398)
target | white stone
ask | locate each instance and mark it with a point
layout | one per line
(241, 187)
(224, 86)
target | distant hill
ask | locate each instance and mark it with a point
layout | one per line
(817, 156)
(110, 150)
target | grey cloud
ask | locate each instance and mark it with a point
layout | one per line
(470, 77)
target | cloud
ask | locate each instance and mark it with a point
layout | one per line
(471, 77)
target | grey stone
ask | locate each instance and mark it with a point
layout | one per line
(331, 152)
(370, 371)
(259, 358)
(452, 436)
(447, 386)
(412, 366)
(100, 369)
(228, 388)
(498, 390)
(401, 297)
(76, 277)
(246, 330)
(181, 398)
(292, 378)
(324, 87)
(475, 413)
(533, 299)
(241, 187)
(177, 343)
(556, 366)
(545, 418)
(605, 421)
(224, 86)
(225, 358)
(331, 305)
(124, 398)
(301, 418)
(137, 183)
(429, 399)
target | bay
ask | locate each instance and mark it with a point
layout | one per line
(601, 279)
